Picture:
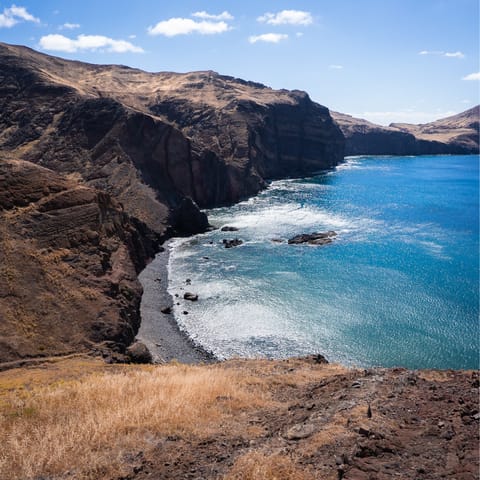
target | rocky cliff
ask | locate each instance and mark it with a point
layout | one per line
(458, 134)
(152, 140)
(69, 259)
(139, 151)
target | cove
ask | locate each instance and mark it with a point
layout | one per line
(397, 287)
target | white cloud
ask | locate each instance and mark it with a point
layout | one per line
(186, 26)
(287, 17)
(207, 16)
(335, 67)
(268, 37)
(132, 36)
(442, 53)
(472, 76)
(299, 34)
(454, 54)
(13, 15)
(7, 21)
(69, 26)
(61, 43)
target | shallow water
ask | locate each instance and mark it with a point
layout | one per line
(399, 285)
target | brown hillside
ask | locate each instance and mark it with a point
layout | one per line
(69, 259)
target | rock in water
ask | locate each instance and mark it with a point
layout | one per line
(313, 238)
(193, 297)
(232, 243)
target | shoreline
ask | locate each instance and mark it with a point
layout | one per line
(160, 331)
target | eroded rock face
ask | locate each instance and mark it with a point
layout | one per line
(458, 134)
(259, 133)
(69, 259)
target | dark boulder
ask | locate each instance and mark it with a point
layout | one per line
(139, 353)
(193, 297)
(232, 243)
(319, 238)
(188, 219)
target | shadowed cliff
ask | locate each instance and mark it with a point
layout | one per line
(151, 140)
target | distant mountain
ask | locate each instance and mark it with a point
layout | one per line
(458, 134)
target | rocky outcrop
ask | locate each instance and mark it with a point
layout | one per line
(235, 242)
(318, 238)
(137, 352)
(458, 134)
(69, 259)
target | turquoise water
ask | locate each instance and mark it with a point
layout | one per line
(398, 287)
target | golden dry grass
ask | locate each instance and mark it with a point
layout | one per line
(438, 375)
(258, 466)
(86, 426)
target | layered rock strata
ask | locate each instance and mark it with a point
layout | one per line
(69, 259)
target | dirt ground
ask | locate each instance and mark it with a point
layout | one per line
(304, 419)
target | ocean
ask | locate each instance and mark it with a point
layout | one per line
(399, 285)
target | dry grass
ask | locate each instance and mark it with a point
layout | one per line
(438, 375)
(81, 419)
(292, 372)
(327, 435)
(257, 466)
(86, 426)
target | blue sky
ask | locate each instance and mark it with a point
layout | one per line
(384, 60)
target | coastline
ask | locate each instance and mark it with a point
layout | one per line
(160, 331)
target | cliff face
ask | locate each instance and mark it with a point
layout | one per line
(153, 139)
(453, 135)
(98, 163)
(259, 133)
(69, 259)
